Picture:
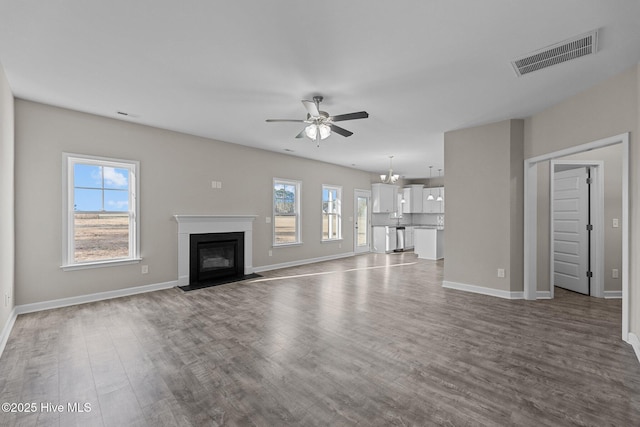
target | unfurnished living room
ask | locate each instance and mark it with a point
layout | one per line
(293, 213)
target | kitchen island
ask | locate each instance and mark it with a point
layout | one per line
(429, 242)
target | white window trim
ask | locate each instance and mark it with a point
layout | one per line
(331, 187)
(298, 185)
(68, 160)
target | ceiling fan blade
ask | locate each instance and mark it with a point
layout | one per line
(301, 134)
(350, 116)
(340, 131)
(285, 120)
(311, 107)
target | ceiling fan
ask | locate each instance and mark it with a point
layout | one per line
(320, 123)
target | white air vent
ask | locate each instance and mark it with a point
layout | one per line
(575, 47)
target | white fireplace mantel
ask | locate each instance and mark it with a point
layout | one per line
(198, 224)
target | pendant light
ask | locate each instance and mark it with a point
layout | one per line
(439, 198)
(430, 196)
(390, 178)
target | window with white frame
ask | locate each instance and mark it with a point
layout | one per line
(100, 208)
(331, 213)
(286, 212)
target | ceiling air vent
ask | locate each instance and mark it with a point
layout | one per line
(575, 47)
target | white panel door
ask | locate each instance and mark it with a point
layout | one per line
(570, 234)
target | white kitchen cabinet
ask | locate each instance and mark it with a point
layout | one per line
(384, 198)
(432, 206)
(429, 243)
(412, 199)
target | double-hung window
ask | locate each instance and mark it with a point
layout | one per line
(100, 211)
(286, 212)
(331, 213)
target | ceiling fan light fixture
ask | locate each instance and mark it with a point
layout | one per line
(325, 131)
(313, 130)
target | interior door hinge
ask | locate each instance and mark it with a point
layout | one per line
(589, 181)
(589, 273)
(589, 227)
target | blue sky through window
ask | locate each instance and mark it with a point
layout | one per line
(100, 188)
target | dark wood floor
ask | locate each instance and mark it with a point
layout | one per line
(369, 340)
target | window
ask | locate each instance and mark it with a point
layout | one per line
(331, 213)
(100, 211)
(286, 212)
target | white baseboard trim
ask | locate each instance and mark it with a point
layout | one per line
(6, 331)
(613, 294)
(635, 343)
(302, 262)
(543, 295)
(482, 290)
(83, 299)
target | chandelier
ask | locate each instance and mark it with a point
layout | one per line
(389, 178)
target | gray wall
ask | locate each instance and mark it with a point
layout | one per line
(176, 171)
(6, 199)
(607, 109)
(483, 182)
(612, 159)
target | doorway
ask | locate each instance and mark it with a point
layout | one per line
(530, 218)
(362, 222)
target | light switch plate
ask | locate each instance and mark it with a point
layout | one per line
(616, 223)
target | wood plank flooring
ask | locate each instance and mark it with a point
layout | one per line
(372, 340)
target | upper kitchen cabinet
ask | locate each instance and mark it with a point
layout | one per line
(384, 197)
(433, 206)
(412, 199)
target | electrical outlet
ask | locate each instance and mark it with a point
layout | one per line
(615, 224)
(270, 252)
(339, 245)
(145, 269)
(615, 274)
(267, 220)
(501, 272)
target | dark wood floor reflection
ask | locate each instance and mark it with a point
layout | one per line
(368, 340)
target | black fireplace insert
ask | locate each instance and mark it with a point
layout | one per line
(215, 257)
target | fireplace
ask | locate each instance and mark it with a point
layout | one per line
(215, 256)
(190, 225)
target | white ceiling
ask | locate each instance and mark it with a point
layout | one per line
(218, 69)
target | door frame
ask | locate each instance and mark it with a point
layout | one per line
(361, 193)
(530, 218)
(596, 206)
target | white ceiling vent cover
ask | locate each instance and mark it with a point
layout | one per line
(575, 47)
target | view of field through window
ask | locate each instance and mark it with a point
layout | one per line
(101, 236)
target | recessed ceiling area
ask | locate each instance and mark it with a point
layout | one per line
(220, 69)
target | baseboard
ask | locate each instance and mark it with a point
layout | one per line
(482, 290)
(83, 299)
(302, 262)
(6, 331)
(635, 343)
(543, 295)
(613, 294)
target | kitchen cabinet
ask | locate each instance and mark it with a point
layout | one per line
(429, 243)
(384, 198)
(432, 206)
(412, 199)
